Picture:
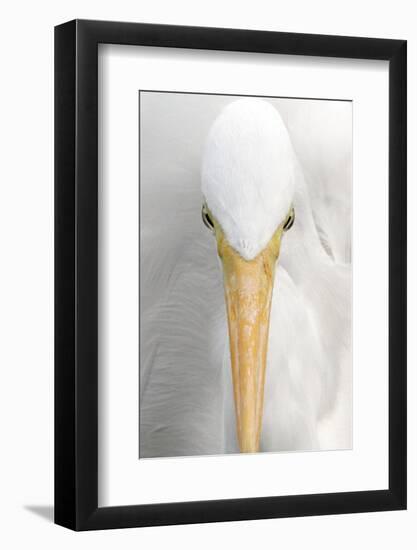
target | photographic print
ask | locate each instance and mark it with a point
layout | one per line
(230, 275)
(245, 274)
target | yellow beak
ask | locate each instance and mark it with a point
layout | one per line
(248, 286)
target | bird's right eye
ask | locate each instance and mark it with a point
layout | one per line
(208, 222)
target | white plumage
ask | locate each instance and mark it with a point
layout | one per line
(248, 173)
(186, 398)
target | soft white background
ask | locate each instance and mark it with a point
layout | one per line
(124, 70)
(26, 295)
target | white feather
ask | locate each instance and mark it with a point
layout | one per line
(248, 174)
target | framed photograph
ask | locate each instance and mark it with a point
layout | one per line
(230, 284)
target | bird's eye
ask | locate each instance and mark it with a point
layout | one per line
(208, 222)
(289, 222)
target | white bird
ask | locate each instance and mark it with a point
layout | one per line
(211, 379)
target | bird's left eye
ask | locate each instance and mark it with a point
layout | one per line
(208, 222)
(289, 222)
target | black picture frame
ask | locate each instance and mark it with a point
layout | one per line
(76, 272)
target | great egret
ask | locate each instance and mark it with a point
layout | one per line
(212, 381)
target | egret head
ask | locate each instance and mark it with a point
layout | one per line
(248, 187)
